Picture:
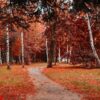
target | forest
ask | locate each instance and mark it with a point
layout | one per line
(50, 31)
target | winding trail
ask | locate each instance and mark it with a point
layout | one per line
(48, 89)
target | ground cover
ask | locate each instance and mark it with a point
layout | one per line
(15, 84)
(77, 79)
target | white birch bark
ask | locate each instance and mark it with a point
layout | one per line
(67, 53)
(92, 41)
(0, 57)
(70, 52)
(59, 55)
(8, 50)
(22, 48)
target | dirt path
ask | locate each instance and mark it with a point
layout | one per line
(47, 89)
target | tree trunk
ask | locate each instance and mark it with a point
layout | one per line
(47, 49)
(70, 52)
(92, 41)
(51, 41)
(22, 48)
(8, 49)
(59, 55)
(19, 58)
(67, 54)
(50, 54)
(54, 51)
(0, 57)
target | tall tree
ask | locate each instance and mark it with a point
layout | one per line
(7, 48)
(0, 57)
(22, 48)
(92, 40)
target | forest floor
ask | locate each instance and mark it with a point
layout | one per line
(77, 79)
(46, 89)
(62, 82)
(15, 84)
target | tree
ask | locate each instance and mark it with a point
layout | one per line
(81, 5)
(22, 48)
(92, 41)
(21, 14)
(8, 48)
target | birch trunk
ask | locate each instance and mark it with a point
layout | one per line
(8, 49)
(0, 57)
(70, 52)
(92, 41)
(67, 54)
(59, 55)
(22, 48)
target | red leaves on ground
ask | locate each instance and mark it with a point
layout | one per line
(16, 84)
(77, 79)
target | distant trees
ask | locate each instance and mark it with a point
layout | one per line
(27, 45)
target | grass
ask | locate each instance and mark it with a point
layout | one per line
(15, 83)
(77, 79)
